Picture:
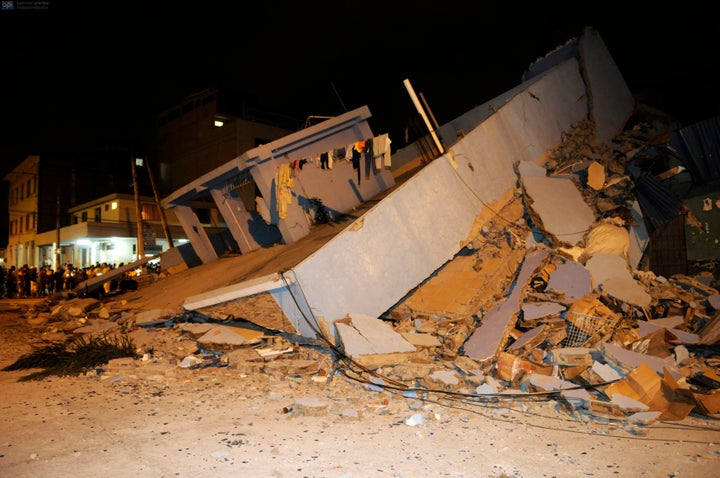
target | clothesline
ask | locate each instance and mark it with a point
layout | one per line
(375, 151)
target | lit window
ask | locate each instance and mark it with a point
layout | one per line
(113, 205)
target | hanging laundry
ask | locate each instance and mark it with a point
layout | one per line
(330, 159)
(368, 154)
(340, 153)
(356, 155)
(381, 149)
(283, 189)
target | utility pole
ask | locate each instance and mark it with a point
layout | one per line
(57, 230)
(163, 219)
(138, 213)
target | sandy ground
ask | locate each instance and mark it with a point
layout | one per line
(154, 419)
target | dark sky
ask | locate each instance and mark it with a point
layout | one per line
(79, 73)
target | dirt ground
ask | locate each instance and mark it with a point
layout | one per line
(152, 418)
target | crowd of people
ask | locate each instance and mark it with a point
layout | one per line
(31, 281)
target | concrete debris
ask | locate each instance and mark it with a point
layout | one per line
(558, 208)
(610, 273)
(311, 406)
(361, 335)
(415, 420)
(154, 317)
(577, 314)
(492, 334)
(546, 298)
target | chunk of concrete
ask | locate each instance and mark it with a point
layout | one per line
(531, 338)
(421, 339)
(714, 301)
(574, 395)
(365, 335)
(311, 406)
(571, 356)
(605, 372)
(229, 336)
(537, 310)
(611, 275)
(491, 336)
(628, 404)
(572, 279)
(448, 377)
(563, 213)
(154, 317)
(647, 327)
(596, 176)
(608, 238)
(629, 360)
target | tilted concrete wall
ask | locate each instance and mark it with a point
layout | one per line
(417, 228)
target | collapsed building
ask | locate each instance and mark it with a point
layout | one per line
(515, 262)
(516, 254)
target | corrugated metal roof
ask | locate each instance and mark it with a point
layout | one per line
(698, 146)
(659, 205)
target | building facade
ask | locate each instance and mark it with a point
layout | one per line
(106, 230)
(58, 215)
(23, 211)
(208, 129)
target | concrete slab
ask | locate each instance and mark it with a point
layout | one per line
(559, 206)
(365, 335)
(421, 340)
(572, 279)
(629, 360)
(605, 372)
(538, 310)
(154, 317)
(647, 327)
(235, 291)
(222, 335)
(492, 335)
(611, 275)
(531, 338)
(392, 248)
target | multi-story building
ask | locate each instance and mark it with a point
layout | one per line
(208, 129)
(62, 209)
(106, 230)
(23, 211)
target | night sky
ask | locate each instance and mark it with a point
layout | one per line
(99, 72)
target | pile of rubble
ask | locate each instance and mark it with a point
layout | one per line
(520, 311)
(572, 320)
